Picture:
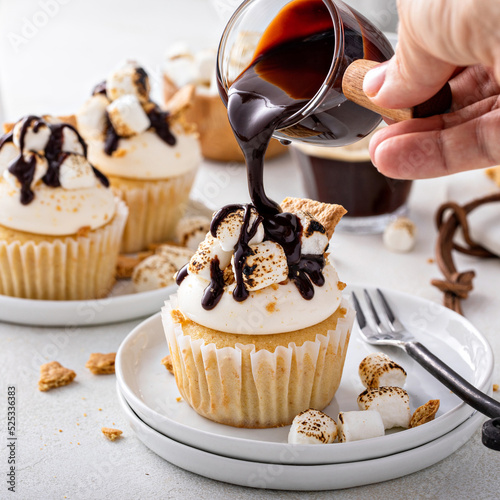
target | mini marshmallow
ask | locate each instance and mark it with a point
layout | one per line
(312, 427)
(392, 403)
(33, 141)
(7, 153)
(191, 231)
(378, 370)
(314, 240)
(205, 62)
(128, 80)
(158, 271)
(71, 143)
(92, 117)
(181, 70)
(127, 116)
(76, 172)
(228, 231)
(358, 425)
(400, 235)
(208, 250)
(265, 266)
(41, 168)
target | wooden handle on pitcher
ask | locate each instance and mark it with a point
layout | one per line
(352, 87)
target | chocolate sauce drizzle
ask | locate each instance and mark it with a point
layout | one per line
(24, 170)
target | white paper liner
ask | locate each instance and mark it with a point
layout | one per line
(247, 388)
(66, 268)
(155, 209)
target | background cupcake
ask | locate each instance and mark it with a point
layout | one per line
(149, 155)
(60, 224)
(257, 334)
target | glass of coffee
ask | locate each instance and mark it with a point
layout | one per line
(347, 176)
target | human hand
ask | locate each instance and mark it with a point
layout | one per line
(436, 38)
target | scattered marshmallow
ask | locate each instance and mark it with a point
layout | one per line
(71, 142)
(208, 250)
(314, 240)
(92, 117)
(378, 370)
(33, 141)
(8, 153)
(400, 235)
(265, 266)
(128, 80)
(229, 230)
(312, 427)
(41, 167)
(191, 231)
(158, 271)
(392, 403)
(127, 116)
(76, 172)
(358, 425)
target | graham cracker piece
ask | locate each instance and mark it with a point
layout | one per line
(101, 364)
(54, 375)
(126, 263)
(424, 413)
(111, 434)
(167, 363)
(328, 214)
(180, 101)
(494, 174)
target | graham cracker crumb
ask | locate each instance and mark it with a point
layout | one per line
(271, 307)
(180, 101)
(54, 375)
(101, 364)
(167, 363)
(126, 263)
(341, 285)
(424, 413)
(111, 434)
(178, 317)
(119, 153)
(83, 231)
(494, 174)
(179, 399)
(327, 214)
(430, 260)
(496, 387)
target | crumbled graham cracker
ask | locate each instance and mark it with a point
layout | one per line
(341, 285)
(167, 363)
(494, 174)
(125, 264)
(496, 387)
(101, 364)
(180, 101)
(424, 413)
(327, 214)
(111, 434)
(54, 375)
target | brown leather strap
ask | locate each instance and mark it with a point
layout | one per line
(449, 217)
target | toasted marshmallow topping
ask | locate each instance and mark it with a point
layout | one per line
(127, 116)
(93, 117)
(392, 403)
(76, 172)
(35, 138)
(378, 370)
(358, 425)
(191, 231)
(229, 230)
(128, 80)
(210, 250)
(314, 239)
(41, 166)
(312, 427)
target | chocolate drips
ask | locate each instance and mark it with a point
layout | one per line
(24, 170)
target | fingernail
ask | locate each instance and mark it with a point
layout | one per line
(374, 80)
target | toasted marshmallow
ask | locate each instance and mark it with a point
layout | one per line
(358, 425)
(33, 141)
(229, 230)
(312, 427)
(41, 167)
(92, 117)
(128, 80)
(313, 238)
(208, 250)
(71, 144)
(7, 154)
(392, 403)
(400, 235)
(127, 116)
(159, 270)
(378, 370)
(191, 231)
(205, 61)
(76, 172)
(181, 70)
(265, 266)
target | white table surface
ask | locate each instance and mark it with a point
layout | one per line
(61, 451)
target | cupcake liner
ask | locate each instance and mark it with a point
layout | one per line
(65, 268)
(155, 206)
(243, 387)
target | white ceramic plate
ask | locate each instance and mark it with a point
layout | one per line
(152, 393)
(484, 221)
(121, 305)
(300, 477)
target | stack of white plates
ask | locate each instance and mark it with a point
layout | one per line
(262, 458)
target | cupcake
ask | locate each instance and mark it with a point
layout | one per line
(60, 224)
(258, 330)
(183, 67)
(149, 155)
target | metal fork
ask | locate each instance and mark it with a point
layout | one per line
(397, 335)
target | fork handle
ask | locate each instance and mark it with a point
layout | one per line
(463, 389)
